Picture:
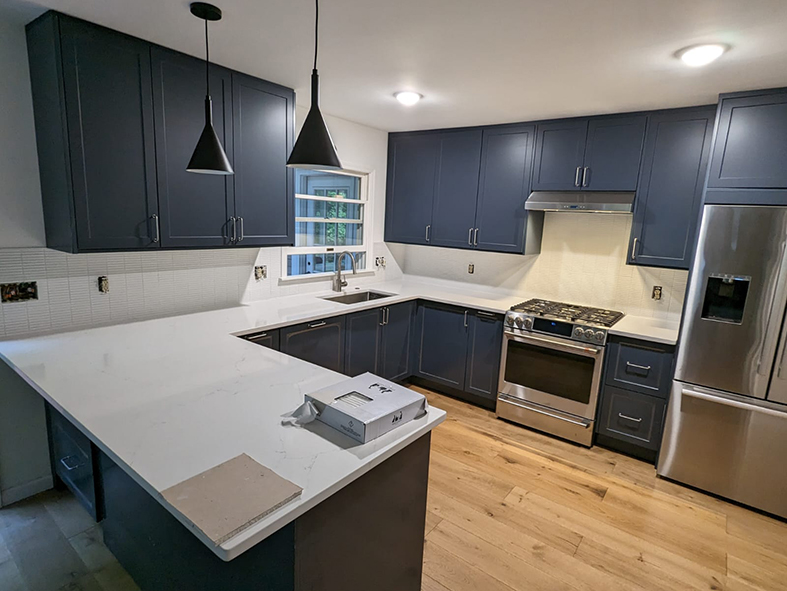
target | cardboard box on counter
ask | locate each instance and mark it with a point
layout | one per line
(366, 406)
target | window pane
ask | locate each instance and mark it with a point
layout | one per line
(307, 208)
(324, 234)
(305, 264)
(325, 184)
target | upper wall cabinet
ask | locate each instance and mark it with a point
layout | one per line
(116, 122)
(463, 189)
(669, 194)
(598, 154)
(750, 146)
(93, 107)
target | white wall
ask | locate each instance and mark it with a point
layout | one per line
(582, 261)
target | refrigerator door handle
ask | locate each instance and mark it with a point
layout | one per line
(770, 336)
(724, 401)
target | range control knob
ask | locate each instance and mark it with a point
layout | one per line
(528, 323)
(590, 335)
(519, 321)
(510, 320)
(579, 332)
(599, 337)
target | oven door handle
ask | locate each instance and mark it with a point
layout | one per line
(513, 400)
(552, 344)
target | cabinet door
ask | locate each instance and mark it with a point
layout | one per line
(195, 208)
(364, 335)
(262, 118)
(269, 339)
(441, 345)
(453, 214)
(751, 143)
(397, 334)
(613, 153)
(320, 342)
(560, 152)
(484, 345)
(412, 173)
(670, 188)
(506, 165)
(109, 110)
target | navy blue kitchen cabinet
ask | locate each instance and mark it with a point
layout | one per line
(195, 208)
(504, 185)
(457, 351)
(454, 209)
(397, 341)
(364, 338)
(634, 396)
(484, 347)
(117, 120)
(321, 342)
(268, 338)
(264, 188)
(441, 344)
(560, 153)
(597, 154)
(669, 194)
(93, 107)
(750, 147)
(412, 175)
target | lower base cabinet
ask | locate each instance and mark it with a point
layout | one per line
(269, 339)
(320, 342)
(379, 341)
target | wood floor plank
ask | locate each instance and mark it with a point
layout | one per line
(456, 574)
(770, 534)
(432, 519)
(429, 584)
(104, 567)
(760, 575)
(495, 562)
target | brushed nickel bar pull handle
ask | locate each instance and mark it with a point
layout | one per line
(70, 463)
(156, 227)
(578, 176)
(387, 315)
(585, 176)
(428, 228)
(465, 318)
(240, 220)
(634, 249)
(475, 238)
(317, 324)
(234, 233)
(470, 237)
(486, 314)
(632, 419)
(382, 317)
(635, 366)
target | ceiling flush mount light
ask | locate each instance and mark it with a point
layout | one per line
(314, 147)
(701, 55)
(209, 156)
(408, 98)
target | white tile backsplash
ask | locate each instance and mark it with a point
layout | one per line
(582, 261)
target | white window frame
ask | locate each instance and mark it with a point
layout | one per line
(367, 220)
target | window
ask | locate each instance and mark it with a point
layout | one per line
(330, 216)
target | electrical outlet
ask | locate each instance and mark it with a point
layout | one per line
(103, 284)
(18, 292)
(261, 272)
(656, 292)
(379, 262)
(471, 268)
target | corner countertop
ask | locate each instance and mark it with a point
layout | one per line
(648, 329)
(167, 399)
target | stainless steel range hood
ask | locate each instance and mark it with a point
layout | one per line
(581, 201)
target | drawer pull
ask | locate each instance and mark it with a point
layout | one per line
(486, 314)
(261, 335)
(632, 419)
(317, 324)
(70, 462)
(635, 366)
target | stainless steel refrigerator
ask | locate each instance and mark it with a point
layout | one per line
(726, 426)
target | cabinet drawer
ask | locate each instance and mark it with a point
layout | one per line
(72, 459)
(629, 416)
(639, 366)
(268, 338)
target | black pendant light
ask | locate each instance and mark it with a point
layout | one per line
(208, 156)
(314, 147)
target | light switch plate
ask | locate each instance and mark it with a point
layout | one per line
(656, 292)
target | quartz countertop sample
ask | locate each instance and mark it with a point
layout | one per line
(648, 329)
(169, 398)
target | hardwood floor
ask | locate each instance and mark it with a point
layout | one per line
(508, 509)
(512, 509)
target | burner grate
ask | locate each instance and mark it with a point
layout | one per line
(597, 316)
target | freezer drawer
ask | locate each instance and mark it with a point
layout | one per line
(727, 445)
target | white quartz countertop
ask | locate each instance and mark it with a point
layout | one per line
(649, 329)
(169, 398)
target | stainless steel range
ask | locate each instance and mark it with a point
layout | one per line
(550, 373)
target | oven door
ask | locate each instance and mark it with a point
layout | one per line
(552, 372)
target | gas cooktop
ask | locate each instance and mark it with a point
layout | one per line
(569, 312)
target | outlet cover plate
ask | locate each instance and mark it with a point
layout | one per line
(18, 292)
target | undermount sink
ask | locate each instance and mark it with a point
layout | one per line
(358, 297)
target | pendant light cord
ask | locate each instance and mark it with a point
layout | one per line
(207, 59)
(316, 28)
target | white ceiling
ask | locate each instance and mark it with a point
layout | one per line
(476, 61)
